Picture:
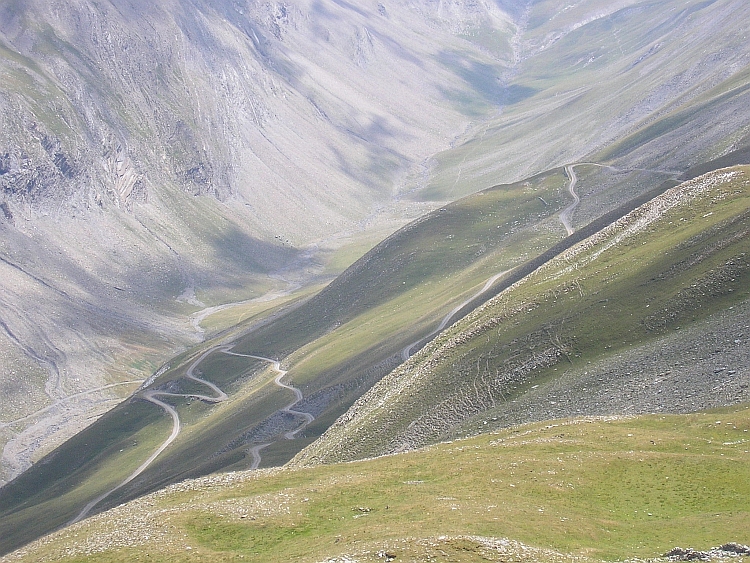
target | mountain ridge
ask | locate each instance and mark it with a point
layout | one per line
(405, 407)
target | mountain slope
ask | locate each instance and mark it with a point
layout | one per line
(639, 84)
(230, 204)
(158, 155)
(335, 346)
(580, 331)
(339, 343)
(211, 152)
(577, 490)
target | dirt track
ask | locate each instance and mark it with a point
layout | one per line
(255, 450)
(568, 211)
(151, 396)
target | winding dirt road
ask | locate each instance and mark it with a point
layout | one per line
(218, 397)
(255, 450)
(568, 211)
(151, 396)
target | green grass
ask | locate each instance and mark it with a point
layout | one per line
(335, 343)
(445, 243)
(590, 84)
(679, 269)
(605, 489)
(338, 343)
(341, 341)
(407, 304)
(334, 263)
(92, 462)
(245, 312)
(679, 118)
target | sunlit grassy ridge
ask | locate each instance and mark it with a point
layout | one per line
(669, 263)
(605, 489)
(344, 339)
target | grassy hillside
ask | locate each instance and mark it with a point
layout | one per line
(584, 490)
(335, 346)
(158, 156)
(635, 93)
(670, 265)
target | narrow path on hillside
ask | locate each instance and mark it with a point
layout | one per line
(568, 211)
(407, 352)
(291, 435)
(564, 216)
(255, 452)
(151, 396)
(59, 402)
(199, 316)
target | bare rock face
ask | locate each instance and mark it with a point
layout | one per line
(155, 149)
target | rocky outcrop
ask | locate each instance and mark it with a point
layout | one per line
(128, 186)
(688, 554)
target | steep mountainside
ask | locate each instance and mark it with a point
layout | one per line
(157, 155)
(655, 85)
(333, 347)
(648, 315)
(230, 411)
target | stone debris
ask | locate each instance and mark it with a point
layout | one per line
(727, 550)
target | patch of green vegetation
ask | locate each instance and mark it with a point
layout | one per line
(90, 463)
(614, 293)
(248, 312)
(438, 246)
(345, 338)
(606, 489)
(342, 337)
(594, 76)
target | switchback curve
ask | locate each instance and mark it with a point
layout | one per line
(151, 396)
(291, 435)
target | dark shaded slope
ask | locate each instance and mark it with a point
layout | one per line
(431, 247)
